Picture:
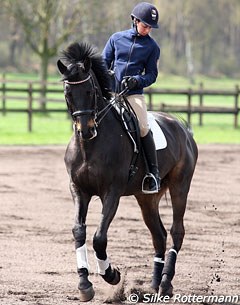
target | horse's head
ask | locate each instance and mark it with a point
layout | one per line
(80, 95)
(86, 78)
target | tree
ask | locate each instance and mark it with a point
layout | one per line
(46, 25)
(194, 36)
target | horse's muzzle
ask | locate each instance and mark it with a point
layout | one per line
(86, 130)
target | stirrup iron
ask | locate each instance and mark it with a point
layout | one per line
(146, 183)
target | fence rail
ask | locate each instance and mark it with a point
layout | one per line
(30, 92)
(191, 107)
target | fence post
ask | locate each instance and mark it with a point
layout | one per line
(200, 103)
(150, 99)
(4, 94)
(30, 99)
(236, 107)
(189, 106)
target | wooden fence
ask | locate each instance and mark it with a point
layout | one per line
(30, 92)
(198, 106)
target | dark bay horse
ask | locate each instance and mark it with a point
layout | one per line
(98, 158)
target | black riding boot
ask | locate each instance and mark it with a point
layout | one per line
(151, 157)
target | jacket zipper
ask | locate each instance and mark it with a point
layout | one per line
(130, 54)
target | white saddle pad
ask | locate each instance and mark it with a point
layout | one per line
(158, 135)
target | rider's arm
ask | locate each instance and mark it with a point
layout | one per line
(151, 70)
(108, 53)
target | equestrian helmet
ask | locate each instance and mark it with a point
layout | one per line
(146, 13)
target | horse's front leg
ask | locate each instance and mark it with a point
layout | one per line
(109, 274)
(81, 202)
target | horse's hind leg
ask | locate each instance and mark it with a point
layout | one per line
(81, 202)
(149, 207)
(178, 192)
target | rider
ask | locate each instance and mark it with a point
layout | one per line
(133, 56)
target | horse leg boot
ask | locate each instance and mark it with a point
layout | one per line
(168, 273)
(85, 286)
(151, 157)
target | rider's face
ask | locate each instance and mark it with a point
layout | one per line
(143, 29)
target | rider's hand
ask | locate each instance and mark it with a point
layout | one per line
(129, 82)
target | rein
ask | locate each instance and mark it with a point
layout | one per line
(95, 111)
(107, 108)
(98, 115)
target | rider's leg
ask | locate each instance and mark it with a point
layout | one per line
(138, 103)
(151, 156)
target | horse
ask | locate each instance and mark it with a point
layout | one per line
(98, 158)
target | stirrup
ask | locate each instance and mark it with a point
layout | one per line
(146, 183)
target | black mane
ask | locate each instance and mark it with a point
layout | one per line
(78, 52)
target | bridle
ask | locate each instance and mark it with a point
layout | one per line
(95, 113)
(78, 82)
(92, 112)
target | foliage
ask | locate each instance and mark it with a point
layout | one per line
(45, 25)
(195, 36)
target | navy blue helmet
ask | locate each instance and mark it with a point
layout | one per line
(146, 13)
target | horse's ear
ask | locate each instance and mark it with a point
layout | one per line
(87, 64)
(61, 67)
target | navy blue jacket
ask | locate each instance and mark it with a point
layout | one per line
(129, 54)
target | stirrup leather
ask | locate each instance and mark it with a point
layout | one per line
(146, 183)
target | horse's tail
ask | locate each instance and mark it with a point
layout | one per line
(185, 123)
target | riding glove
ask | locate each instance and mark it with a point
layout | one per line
(129, 82)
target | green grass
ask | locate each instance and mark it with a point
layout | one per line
(55, 128)
(177, 82)
(216, 129)
(47, 130)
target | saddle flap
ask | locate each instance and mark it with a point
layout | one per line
(158, 135)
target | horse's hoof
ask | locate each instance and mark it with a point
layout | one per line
(86, 294)
(166, 292)
(112, 276)
(166, 288)
(117, 277)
